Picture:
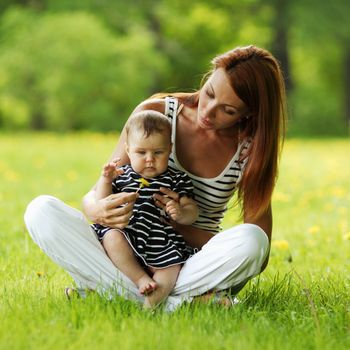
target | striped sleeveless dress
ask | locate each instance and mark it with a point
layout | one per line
(154, 241)
(211, 194)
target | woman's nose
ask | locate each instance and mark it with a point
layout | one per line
(210, 110)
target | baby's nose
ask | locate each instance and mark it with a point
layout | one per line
(149, 158)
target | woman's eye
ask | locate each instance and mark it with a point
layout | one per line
(209, 94)
(230, 111)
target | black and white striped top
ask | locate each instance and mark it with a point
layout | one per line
(211, 194)
(149, 233)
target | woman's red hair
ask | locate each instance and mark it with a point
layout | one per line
(257, 80)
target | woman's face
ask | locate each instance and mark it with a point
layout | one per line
(219, 107)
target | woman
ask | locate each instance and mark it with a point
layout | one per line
(226, 137)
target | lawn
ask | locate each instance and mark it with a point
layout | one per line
(302, 300)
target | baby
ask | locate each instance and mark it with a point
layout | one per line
(149, 251)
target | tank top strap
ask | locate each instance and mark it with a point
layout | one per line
(171, 104)
(171, 107)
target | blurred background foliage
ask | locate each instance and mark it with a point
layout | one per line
(77, 65)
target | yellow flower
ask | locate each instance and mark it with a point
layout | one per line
(281, 197)
(314, 229)
(338, 192)
(143, 182)
(71, 175)
(40, 274)
(346, 237)
(281, 244)
(11, 175)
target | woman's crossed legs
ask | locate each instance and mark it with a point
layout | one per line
(228, 260)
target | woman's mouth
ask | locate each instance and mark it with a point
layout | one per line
(206, 122)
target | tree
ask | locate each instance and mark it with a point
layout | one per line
(69, 72)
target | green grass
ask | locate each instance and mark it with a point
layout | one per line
(302, 300)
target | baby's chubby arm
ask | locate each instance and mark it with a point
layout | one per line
(184, 211)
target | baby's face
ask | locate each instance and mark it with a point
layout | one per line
(148, 156)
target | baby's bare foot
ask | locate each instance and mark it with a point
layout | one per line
(146, 285)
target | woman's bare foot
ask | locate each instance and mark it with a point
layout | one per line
(146, 285)
(211, 297)
(71, 293)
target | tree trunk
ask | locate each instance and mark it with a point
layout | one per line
(280, 43)
(347, 85)
(155, 27)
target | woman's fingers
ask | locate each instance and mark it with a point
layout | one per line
(120, 199)
(117, 221)
(162, 200)
(170, 194)
(159, 201)
(118, 209)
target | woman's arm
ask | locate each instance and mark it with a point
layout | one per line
(105, 211)
(264, 221)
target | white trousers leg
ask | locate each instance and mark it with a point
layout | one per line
(228, 260)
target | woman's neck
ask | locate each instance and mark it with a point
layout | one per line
(211, 147)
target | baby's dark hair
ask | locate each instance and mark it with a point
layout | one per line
(150, 122)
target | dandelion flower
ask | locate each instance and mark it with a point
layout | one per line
(314, 229)
(281, 197)
(11, 175)
(71, 175)
(281, 244)
(346, 237)
(143, 183)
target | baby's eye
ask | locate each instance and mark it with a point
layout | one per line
(141, 152)
(157, 153)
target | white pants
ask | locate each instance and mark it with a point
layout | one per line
(228, 260)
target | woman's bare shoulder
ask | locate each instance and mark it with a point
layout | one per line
(154, 104)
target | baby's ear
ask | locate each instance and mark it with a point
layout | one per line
(127, 148)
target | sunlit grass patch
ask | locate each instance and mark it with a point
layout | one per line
(301, 301)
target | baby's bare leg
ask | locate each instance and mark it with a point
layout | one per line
(122, 256)
(166, 279)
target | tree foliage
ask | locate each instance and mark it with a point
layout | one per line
(68, 71)
(86, 64)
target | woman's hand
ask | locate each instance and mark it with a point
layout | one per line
(113, 211)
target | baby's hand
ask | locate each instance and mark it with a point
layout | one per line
(173, 209)
(110, 171)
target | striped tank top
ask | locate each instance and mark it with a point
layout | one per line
(211, 194)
